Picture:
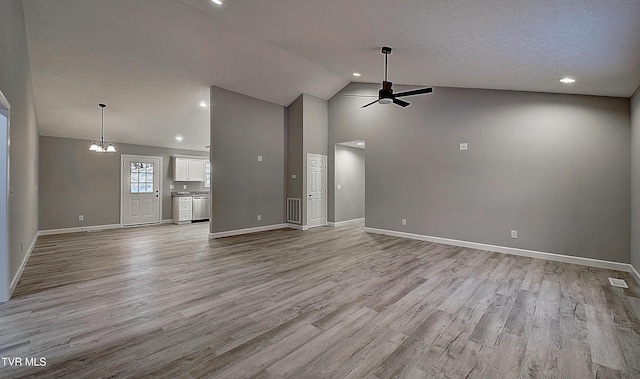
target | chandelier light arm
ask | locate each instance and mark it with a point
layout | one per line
(101, 145)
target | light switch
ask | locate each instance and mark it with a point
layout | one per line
(463, 146)
(171, 186)
(259, 158)
(293, 176)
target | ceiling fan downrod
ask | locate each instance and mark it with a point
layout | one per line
(386, 51)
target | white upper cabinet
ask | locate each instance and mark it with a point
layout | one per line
(181, 169)
(188, 169)
(196, 170)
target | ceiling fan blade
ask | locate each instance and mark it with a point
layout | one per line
(400, 103)
(371, 103)
(415, 92)
(357, 95)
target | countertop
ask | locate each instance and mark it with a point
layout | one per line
(190, 193)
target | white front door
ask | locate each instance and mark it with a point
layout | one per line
(316, 190)
(141, 189)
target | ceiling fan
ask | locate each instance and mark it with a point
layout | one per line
(386, 95)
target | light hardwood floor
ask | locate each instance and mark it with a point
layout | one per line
(168, 302)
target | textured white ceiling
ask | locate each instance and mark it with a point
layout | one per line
(152, 62)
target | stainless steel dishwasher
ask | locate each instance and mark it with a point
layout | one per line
(201, 207)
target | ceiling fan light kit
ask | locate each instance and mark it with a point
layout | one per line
(386, 95)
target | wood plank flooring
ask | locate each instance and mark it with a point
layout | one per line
(168, 302)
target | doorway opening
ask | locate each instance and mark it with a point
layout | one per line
(5, 275)
(349, 182)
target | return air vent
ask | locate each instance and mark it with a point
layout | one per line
(294, 210)
(618, 283)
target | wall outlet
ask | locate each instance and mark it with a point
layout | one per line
(259, 158)
(184, 186)
(293, 176)
(404, 221)
(339, 186)
(81, 218)
(514, 234)
(259, 217)
(171, 186)
(464, 146)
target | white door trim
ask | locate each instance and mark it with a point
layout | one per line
(122, 189)
(5, 193)
(324, 189)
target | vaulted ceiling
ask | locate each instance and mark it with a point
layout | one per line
(152, 62)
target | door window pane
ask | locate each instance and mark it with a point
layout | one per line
(141, 177)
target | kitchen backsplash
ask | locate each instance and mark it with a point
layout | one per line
(191, 186)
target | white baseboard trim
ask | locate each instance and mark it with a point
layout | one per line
(509, 250)
(347, 222)
(94, 228)
(297, 226)
(167, 221)
(635, 273)
(16, 278)
(238, 232)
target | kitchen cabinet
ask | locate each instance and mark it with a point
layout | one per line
(182, 209)
(188, 169)
(196, 170)
(181, 169)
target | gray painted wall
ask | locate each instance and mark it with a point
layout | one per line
(15, 84)
(242, 128)
(307, 129)
(295, 150)
(75, 181)
(316, 119)
(315, 137)
(554, 167)
(350, 175)
(635, 180)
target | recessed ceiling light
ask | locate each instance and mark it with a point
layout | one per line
(357, 74)
(203, 104)
(217, 2)
(179, 138)
(567, 80)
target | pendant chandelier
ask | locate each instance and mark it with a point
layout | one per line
(101, 146)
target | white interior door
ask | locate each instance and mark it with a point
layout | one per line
(141, 190)
(316, 190)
